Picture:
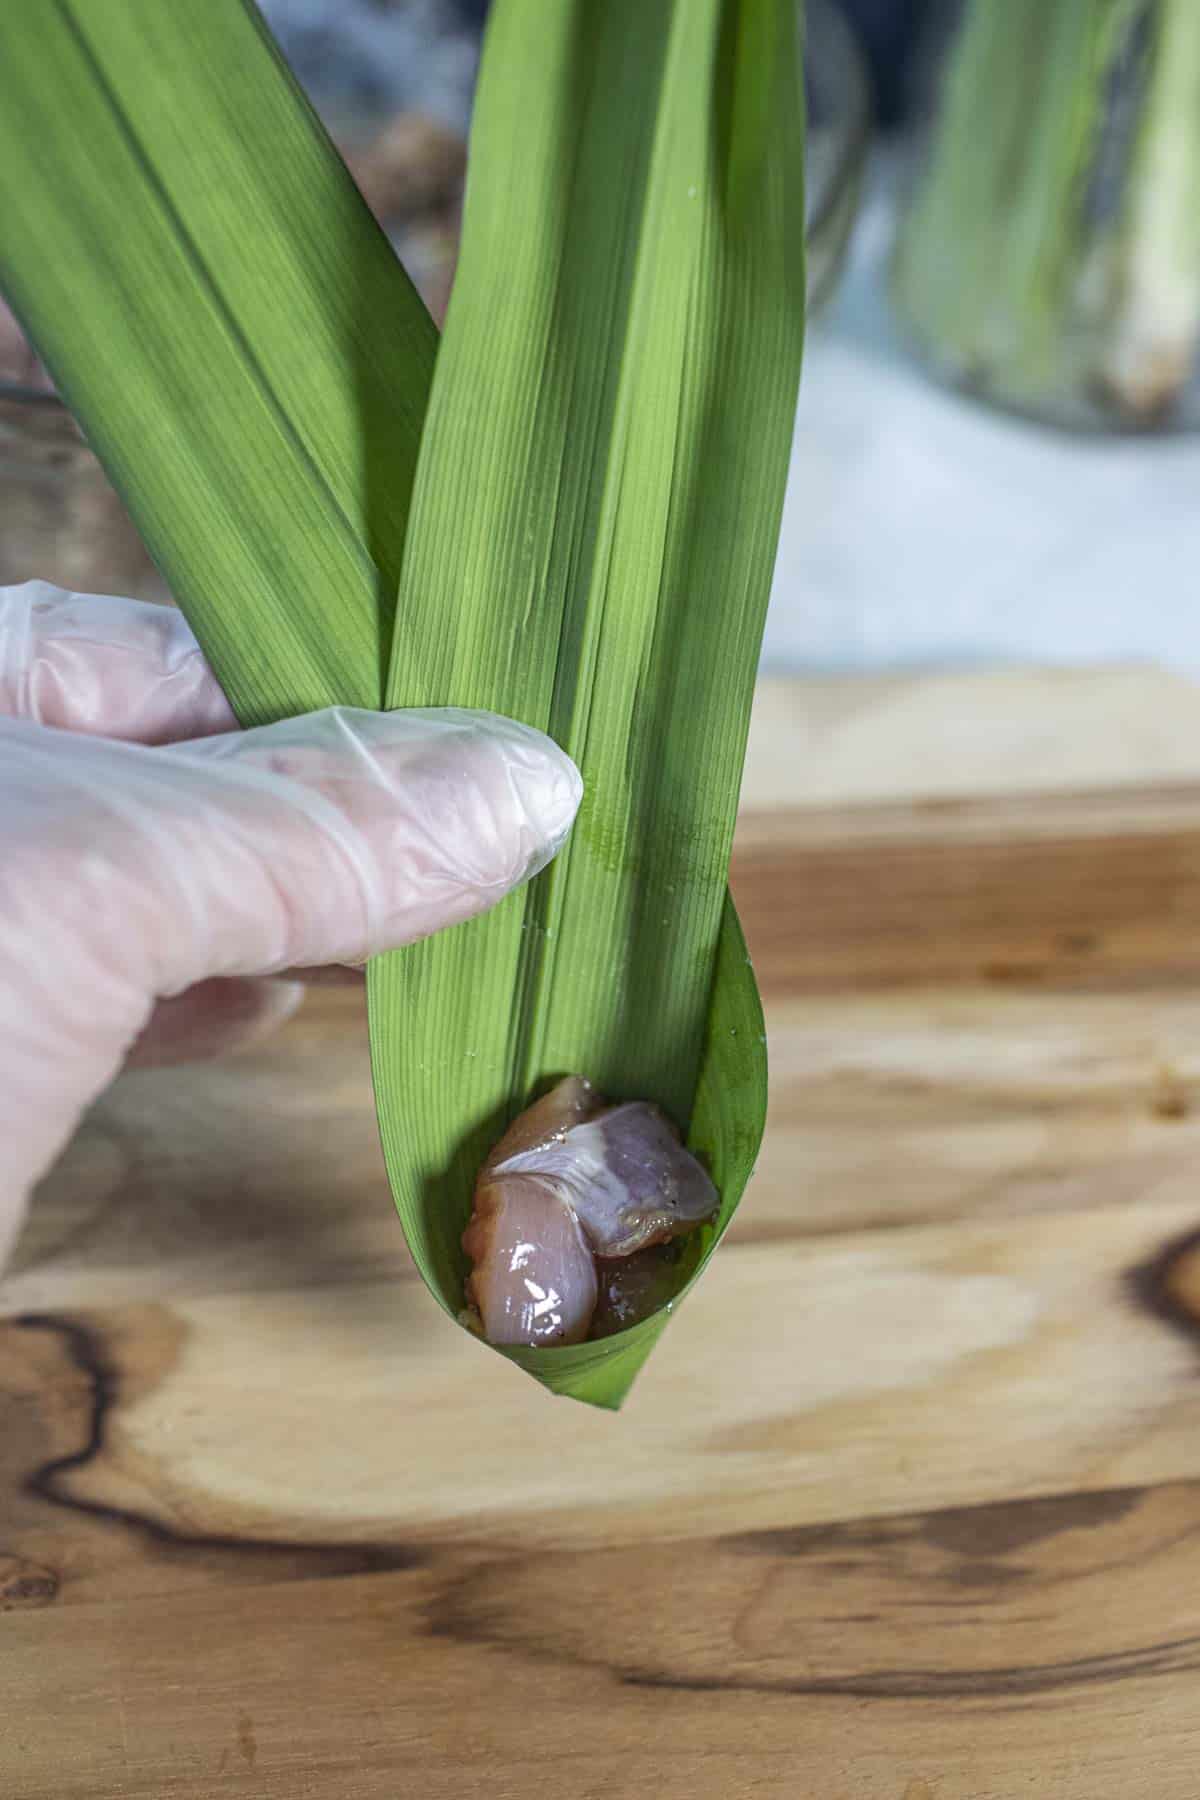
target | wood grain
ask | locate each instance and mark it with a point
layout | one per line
(906, 1507)
(958, 734)
(1066, 891)
(1050, 1648)
(951, 1365)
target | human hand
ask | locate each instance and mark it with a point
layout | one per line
(158, 867)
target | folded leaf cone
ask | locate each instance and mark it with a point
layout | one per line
(574, 522)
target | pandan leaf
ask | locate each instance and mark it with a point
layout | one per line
(590, 548)
(228, 324)
(589, 538)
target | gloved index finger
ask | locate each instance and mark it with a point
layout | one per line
(107, 666)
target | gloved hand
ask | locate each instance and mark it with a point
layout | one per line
(149, 885)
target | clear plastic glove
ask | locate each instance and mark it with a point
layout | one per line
(149, 885)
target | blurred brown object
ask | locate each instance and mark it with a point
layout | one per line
(411, 175)
(413, 165)
(19, 367)
(428, 248)
(60, 520)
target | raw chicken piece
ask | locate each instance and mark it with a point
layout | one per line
(626, 1175)
(573, 1180)
(534, 1278)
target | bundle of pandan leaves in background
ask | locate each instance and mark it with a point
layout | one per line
(566, 511)
(1050, 259)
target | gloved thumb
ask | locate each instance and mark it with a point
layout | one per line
(131, 873)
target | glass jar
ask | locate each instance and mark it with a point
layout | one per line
(838, 130)
(1048, 259)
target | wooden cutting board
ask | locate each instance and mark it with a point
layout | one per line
(906, 1505)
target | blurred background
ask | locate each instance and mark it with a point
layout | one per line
(996, 460)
